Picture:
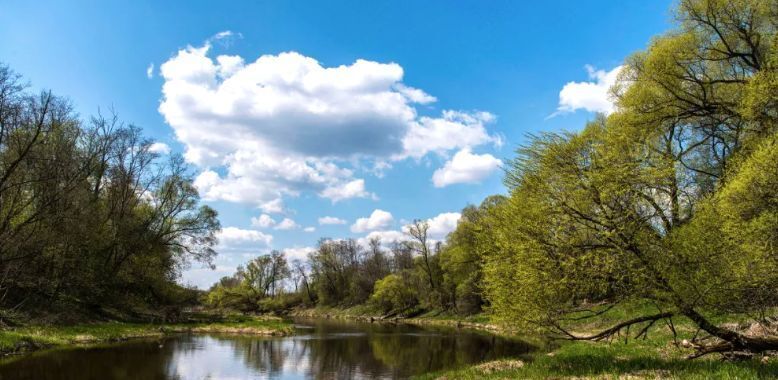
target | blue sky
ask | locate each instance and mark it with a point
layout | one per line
(397, 106)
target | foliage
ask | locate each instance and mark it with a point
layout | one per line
(670, 199)
(88, 213)
(394, 293)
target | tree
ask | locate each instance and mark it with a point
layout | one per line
(394, 293)
(633, 206)
(418, 232)
(462, 257)
(264, 274)
(88, 212)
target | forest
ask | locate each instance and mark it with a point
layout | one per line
(671, 201)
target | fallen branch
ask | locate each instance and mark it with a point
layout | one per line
(615, 329)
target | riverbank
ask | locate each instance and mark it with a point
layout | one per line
(652, 359)
(659, 355)
(433, 318)
(18, 340)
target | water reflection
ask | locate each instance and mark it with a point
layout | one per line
(320, 350)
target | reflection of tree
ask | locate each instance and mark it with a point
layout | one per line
(136, 360)
(346, 349)
(334, 350)
(430, 350)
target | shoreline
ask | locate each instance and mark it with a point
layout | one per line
(28, 339)
(477, 322)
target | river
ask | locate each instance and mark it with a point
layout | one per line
(321, 349)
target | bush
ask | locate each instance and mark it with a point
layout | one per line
(394, 293)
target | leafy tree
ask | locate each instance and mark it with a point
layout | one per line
(394, 293)
(463, 255)
(88, 213)
(636, 206)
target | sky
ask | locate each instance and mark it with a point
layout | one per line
(337, 119)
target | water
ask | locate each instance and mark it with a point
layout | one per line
(321, 349)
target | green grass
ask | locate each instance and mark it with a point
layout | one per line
(614, 361)
(656, 357)
(30, 338)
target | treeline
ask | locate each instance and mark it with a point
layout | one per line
(410, 276)
(670, 201)
(90, 216)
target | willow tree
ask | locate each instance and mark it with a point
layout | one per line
(671, 199)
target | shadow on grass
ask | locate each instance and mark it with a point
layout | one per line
(609, 364)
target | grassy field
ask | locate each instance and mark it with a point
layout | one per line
(31, 338)
(655, 357)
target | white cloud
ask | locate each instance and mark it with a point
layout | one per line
(351, 189)
(284, 124)
(235, 246)
(287, 224)
(387, 237)
(309, 229)
(325, 220)
(592, 96)
(298, 253)
(276, 206)
(159, 147)
(263, 221)
(150, 71)
(377, 220)
(465, 167)
(455, 130)
(235, 237)
(442, 224)
(439, 227)
(222, 34)
(414, 94)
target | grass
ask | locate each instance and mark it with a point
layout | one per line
(584, 360)
(656, 357)
(31, 338)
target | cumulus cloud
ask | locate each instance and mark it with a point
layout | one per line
(439, 227)
(150, 71)
(287, 224)
(592, 96)
(232, 237)
(325, 220)
(159, 147)
(387, 237)
(465, 167)
(348, 190)
(377, 220)
(285, 124)
(276, 206)
(443, 224)
(309, 229)
(263, 221)
(236, 245)
(454, 130)
(297, 253)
